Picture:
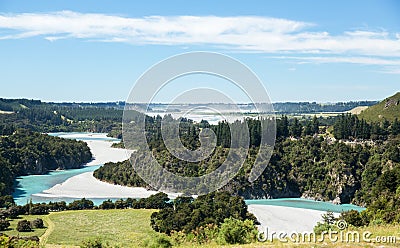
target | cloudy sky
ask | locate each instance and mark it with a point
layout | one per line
(301, 50)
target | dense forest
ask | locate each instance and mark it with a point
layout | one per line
(25, 152)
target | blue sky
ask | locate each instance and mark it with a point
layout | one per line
(302, 50)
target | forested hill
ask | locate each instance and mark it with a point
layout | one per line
(388, 109)
(25, 152)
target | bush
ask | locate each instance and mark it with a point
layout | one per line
(159, 241)
(37, 223)
(4, 224)
(355, 218)
(31, 242)
(24, 226)
(81, 204)
(108, 204)
(329, 223)
(322, 227)
(203, 234)
(93, 243)
(233, 231)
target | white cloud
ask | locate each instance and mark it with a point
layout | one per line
(246, 33)
(352, 60)
(390, 70)
(389, 65)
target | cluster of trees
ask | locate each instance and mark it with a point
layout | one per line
(121, 173)
(192, 216)
(28, 226)
(351, 127)
(295, 128)
(26, 152)
(156, 201)
(14, 211)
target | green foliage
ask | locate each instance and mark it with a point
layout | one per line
(37, 223)
(350, 127)
(81, 204)
(107, 204)
(355, 218)
(24, 226)
(6, 201)
(14, 242)
(4, 224)
(202, 234)
(26, 152)
(322, 227)
(158, 241)
(119, 173)
(329, 218)
(234, 231)
(95, 242)
(328, 223)
(188, 214)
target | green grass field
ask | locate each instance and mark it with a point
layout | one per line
(37, 232)
(118, 228)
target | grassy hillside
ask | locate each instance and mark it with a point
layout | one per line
(388, 109)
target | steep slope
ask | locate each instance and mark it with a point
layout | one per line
(388, 109)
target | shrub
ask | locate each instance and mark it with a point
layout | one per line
(322, 227)
(329, 223)
(355, 218)
(234, 231)
(158, 241)
(37, 223)
(93, 243)
(32, 242)
(178, 237)
(204, 234)
(4, 224)
(24, 226)
(108, 204)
